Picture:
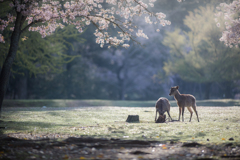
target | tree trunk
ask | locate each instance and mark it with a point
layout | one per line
(120, 84)
(200, 91)
(22, 87)
(207, 90)
(6, 68)
(227, 88)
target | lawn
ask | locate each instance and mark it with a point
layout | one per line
(218, 124)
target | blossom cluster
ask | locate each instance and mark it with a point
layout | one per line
(45, 17)
(230, 15)
(4, 24)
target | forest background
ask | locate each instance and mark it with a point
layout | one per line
(188, 53)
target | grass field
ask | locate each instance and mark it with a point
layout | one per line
(218, 123)
(86, 103)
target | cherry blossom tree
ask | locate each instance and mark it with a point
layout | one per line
(114, 21)
(229, 13)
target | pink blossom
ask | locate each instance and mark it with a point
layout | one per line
(11, 4)
(227, 13)
(125, 45)
(48, 13)
(2, 38)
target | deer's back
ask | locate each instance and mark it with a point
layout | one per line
(186, 100)
(163, 104)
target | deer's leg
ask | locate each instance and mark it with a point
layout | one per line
(195, 110)
(180, 110)
(156, 116)
(169, 115)
(190, 110)
(183, 113)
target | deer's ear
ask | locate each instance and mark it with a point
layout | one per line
(177, 87)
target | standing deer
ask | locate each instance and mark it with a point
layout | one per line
(184, 100)
(162, 106)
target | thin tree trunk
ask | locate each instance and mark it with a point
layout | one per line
(207, 90)
(120, 84)
(227, 88)
(200, 91)
(22, 87)
(6, 68)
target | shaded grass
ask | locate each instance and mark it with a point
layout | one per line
(74, 103)
(87, 103)
(217, 124)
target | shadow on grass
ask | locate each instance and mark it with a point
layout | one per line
(26, 126)
(1, 127)
(117, 103)
(75, 103)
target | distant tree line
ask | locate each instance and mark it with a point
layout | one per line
(71, 66)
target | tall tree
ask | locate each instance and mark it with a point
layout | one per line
(46, 15)
(197, 55)
(131, 70)
(40, 56)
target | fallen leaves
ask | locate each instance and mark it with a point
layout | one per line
(1, 153)
(65, 157)
(100, 156)
(164, 147)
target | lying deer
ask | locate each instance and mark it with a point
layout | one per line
(184, 100)
(162, 106)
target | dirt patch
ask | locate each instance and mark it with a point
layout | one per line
(38, 147)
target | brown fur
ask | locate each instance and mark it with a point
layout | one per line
(162, 106)
(184, 100)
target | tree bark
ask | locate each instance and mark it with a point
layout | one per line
(6, 68)
(120, 83)
(227, 88)
(22, 87)
(207, 90)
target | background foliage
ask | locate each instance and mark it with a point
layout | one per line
(70, 65)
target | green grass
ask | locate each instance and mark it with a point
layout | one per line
(86, 103)
(217, 124)
(74, 103)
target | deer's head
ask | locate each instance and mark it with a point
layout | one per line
(161, 119)
(173, 90)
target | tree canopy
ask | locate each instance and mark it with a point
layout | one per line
(197, 55)
(38, 55)
(105, 15)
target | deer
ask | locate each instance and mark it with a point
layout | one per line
(162, 106)
(184, 100)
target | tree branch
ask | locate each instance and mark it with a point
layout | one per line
(29, 25)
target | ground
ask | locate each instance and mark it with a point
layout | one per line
(102, 133)
(92, 148)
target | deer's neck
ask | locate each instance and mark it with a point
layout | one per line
(177, 95)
